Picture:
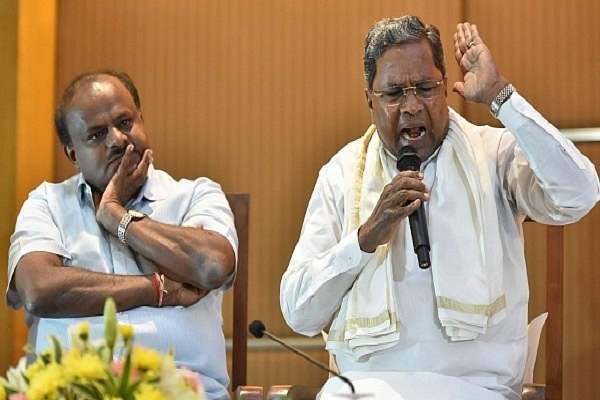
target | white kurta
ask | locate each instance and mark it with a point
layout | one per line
(538, 172)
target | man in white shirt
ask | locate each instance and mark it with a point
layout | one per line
(163, 249)
(354, 266)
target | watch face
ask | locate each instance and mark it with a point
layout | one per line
(136, 214)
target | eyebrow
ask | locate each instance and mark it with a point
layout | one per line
(399, 86)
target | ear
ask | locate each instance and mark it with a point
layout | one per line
(369, 99)
(70, 153)
(445, 86)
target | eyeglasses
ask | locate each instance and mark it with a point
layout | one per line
(425, 90)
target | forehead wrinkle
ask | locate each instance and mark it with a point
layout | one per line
(405, 64)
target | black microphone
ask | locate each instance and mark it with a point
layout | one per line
(257, 329)
(408, 160)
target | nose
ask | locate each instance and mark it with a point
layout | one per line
(411, 104)
(116, 138)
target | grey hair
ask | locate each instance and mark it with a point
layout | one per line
(393, 31)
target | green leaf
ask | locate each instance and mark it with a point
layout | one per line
(57, 348)
(126, 373)
(111, 385)
(84, 392)
(130, 392)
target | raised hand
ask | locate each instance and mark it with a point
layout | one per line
(481, 80)
(130, 176)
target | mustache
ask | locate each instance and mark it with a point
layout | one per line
(411, 120)
(116, 153)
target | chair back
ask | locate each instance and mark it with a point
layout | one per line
(240, 206)
(554, 304)
(551, 389)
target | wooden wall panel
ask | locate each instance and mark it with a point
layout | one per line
(581, 353)
(8, 124)
(259, 94)
(582, 301)
(32, 142)
(545, 48)
(281, 367)
(256, 95)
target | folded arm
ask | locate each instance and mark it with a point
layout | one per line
(188, 254)
(192, 255)
(49, 289)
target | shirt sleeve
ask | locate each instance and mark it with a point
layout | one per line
(35, 230)
(210, 209)
(324, 264)
(549, 178)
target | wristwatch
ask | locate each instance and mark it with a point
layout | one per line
(501, 99)
(130, 215)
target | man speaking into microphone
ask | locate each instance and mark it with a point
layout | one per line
(354, 268)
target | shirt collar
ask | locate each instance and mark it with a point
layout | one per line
(151, 190)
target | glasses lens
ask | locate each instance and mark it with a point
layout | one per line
(427, 89)
(394, 96)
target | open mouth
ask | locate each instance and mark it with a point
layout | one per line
(413, 133)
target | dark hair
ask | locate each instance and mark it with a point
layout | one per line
(60, 115)
(392, 31)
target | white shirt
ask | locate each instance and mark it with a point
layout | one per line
(539, 173)
(60, 218)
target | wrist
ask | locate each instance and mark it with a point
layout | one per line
(129, 217)
(501, 98)
(363, 243)
(159, 288)
(109, 214)
(495, 90)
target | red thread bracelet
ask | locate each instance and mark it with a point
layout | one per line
(162, 290)
(159, 285)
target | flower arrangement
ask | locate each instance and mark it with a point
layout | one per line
(89, 371)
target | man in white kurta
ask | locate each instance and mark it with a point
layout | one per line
(466, 316)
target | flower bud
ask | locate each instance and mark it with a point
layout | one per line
(126, 331)
(84, 330)
(110, 322)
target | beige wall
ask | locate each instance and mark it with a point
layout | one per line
(36, 62)
(259, 94)
(27, 87)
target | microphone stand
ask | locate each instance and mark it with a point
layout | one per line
(311, 359)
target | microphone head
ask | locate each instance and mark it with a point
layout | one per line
(257, 328)
(408, 159)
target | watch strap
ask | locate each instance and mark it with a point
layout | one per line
(123, 224)
(502, 97)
